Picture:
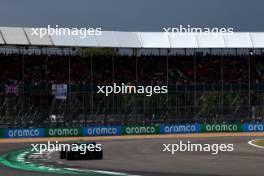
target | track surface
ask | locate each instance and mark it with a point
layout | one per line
(145, 157)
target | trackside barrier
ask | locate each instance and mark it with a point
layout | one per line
(130, 130)
(102, 131)
(174, 129)
(136, 130)
(222, 127)
(1, 133)
(23, 133)
(253, 127)
(62, 132)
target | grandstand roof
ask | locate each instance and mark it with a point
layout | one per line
(18, 36)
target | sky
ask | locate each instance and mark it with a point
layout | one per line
(134, 15)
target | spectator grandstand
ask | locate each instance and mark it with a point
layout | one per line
(60, 88)
(209, 69)
(202, 87)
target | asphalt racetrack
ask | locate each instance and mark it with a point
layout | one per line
(145, 157)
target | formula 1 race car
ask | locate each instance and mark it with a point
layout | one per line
(82, 151)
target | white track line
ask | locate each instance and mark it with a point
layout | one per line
(251, 143)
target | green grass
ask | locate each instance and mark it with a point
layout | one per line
(259, 142)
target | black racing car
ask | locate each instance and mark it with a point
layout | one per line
(78, 151)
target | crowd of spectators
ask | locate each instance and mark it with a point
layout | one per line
(209, 69)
